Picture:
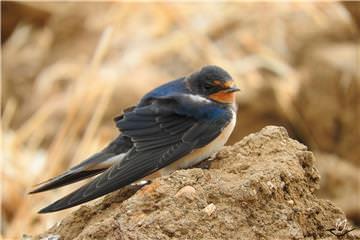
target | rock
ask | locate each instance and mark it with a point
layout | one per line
(210, 209)
(187, 191)
(261, 187)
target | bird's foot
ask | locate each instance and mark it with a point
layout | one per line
(206, 164)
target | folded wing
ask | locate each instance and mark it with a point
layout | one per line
(160, 136)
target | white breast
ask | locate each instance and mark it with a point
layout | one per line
(200, 154)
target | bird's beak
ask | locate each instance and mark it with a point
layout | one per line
(231, 89)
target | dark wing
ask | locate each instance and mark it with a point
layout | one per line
(160, 137)
(94, 165)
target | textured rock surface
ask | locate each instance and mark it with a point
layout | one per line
(260, 188)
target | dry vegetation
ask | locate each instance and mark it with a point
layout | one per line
(68, 68)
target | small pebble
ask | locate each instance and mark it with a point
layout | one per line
(270, 185)
(187, 191)
(209, 209)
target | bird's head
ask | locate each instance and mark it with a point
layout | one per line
(213, 83)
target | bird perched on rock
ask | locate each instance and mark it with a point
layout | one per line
(174, 126)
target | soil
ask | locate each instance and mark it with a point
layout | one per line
(262, 187)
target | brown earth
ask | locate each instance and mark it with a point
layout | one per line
(260, 188)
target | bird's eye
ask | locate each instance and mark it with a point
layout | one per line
(208, 86)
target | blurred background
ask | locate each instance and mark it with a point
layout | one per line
(69, 68)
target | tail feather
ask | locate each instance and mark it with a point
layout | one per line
(66, 179)
(88, 168)
(94, 165)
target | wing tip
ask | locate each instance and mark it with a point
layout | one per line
(43, 188)
(54, 207)
(34, 191)
(65, 179)
(44, 210)
(40, 189)
(49, 209)
(69, 201)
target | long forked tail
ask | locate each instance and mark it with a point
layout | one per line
(94, 165)
(65, 179)
(90, 167)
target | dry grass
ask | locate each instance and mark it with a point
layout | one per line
(64, 81)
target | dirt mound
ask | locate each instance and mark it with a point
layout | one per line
(261, 187)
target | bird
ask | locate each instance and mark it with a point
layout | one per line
(175, 126)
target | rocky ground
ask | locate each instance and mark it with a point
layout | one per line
(262, 187)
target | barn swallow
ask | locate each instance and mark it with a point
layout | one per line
(174, 126)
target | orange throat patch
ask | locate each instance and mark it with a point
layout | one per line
(223, 97)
